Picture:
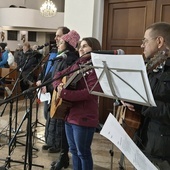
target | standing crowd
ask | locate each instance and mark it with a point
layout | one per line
(73, 131)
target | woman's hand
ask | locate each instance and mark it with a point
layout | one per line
(59, 88)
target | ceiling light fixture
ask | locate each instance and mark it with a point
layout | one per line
(48, 9)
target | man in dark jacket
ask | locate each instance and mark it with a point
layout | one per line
(26, 66)
(155, 127)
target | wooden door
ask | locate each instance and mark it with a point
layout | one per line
(124, 24)
(162, 11)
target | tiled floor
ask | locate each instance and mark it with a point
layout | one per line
(100, 148)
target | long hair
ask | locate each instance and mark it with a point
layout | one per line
(69, 47)
(93, 43)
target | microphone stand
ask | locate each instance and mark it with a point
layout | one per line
(37, 66)
(28, 114)
(35, 124)
(11, 141)
(37, 104)
(11, 107)
(28, 146)
(1, 113)
(13, 86)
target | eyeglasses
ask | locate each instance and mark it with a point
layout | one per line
(145, 41)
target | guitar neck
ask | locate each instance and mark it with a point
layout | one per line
(76, 77)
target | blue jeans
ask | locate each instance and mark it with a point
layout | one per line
(79, 141)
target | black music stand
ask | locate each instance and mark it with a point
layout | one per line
(115, 76)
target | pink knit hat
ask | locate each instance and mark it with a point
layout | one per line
(72, 38)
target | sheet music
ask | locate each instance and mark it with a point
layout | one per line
(128, 77)
(113, 131)
(44, 96)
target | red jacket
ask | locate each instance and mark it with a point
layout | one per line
(84, 110)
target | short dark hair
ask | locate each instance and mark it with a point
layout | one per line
(93, 43)
(65, 30)
(3, 45)
(161, 29)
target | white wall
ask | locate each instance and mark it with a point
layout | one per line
(98, 19)
(29, 18)
(79, 16)
(41, 39)
(21, 19)
(85, 16)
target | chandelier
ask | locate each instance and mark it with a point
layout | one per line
(48, 9)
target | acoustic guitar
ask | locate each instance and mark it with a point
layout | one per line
(59, 107)
(130, 120)
(56, 100)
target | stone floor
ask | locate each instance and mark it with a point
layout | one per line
(40, 159)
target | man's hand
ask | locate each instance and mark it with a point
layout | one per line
(38, 83)
(128, 105)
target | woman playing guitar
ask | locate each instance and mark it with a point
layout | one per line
(66, 48)
(82, 118)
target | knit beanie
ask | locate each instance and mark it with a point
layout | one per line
(72, 38)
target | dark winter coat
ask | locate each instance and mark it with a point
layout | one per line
(84, 110)
(54, 128)
(155, 132)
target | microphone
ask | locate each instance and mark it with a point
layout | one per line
(53, 45)
(64, 56)
(60, 56)
(42, 46)
(114, 52)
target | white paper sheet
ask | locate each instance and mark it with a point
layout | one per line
(113, 131)
(44, 96)
(128, 77)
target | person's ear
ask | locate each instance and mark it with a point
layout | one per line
(160, 41)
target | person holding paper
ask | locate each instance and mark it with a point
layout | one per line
(155, 128)
(82, 118)
(54, 127)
